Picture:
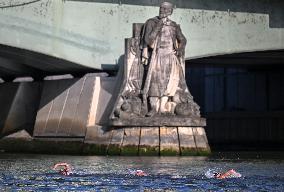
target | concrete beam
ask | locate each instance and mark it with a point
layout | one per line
(57, 28)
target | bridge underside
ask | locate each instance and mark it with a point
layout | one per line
(15, 62)
(275, 57)
(241, 96)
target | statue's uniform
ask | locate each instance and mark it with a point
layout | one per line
(163, 42)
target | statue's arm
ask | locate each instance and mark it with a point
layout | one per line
(151, 32)
(181, 41)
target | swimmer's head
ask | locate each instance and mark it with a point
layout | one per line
(216, 174)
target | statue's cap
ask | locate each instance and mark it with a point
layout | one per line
(167, 5)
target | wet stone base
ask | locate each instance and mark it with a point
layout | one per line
(148, 151)
(143, 141)
(97, 149)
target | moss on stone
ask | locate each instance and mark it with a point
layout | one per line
(148, 151)
(94, 149)
(169, 152)
(41, 146)
(16, 145)
(130, 150)
(113, 150)
(58, 147)
(203, 152)
(50, 146)
(188, 151)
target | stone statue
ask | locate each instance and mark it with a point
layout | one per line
(163, 51)
(155, 85)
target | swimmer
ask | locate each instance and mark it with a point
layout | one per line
(229, 174)
(138, 173)
(65, 170)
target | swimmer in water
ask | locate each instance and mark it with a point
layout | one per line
(65, 168)
(139, 173)
(229, 174)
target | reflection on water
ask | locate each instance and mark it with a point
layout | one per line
(20, 172)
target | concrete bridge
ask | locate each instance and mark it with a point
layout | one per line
(40, 38)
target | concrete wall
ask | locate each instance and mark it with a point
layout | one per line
(57, 107)
(64, 109)
(92, 32)
(19, 103)
(68, 107)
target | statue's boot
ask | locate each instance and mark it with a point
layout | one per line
(153, 106)
(163, 102)
(151, 113)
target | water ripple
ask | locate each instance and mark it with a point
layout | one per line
(33, 173)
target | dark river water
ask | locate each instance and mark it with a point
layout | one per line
(25, 172)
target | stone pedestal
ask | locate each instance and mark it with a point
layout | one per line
(152, 141)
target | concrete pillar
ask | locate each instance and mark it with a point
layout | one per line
(19, 103)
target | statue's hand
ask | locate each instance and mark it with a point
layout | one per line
(159, 25)
(164, 20)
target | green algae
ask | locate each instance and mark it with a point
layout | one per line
(129, 150)
(148, 150)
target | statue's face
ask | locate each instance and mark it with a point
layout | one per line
(165, 12)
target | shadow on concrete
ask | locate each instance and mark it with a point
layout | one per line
(110, 98)
(16, 62)
(19, 103)
(47, 101)
(274, 8)
(241, 97)
(272, 57)
(56, 107)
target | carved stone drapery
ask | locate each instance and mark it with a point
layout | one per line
(154, 90)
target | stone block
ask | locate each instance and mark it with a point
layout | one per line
(114, 147)
(96, 140)
(201, 141)
(187, 142)
(149, 141)
(170, 121)
(169, 143)
(130, 141)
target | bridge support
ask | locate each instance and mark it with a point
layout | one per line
(72, 117)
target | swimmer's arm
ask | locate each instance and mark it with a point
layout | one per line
(61, 164)
(228, 173)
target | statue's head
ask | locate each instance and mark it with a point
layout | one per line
(166, 9)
